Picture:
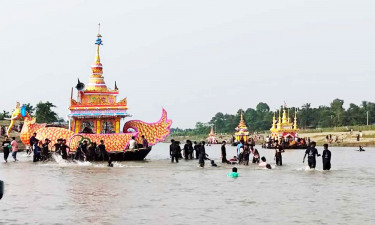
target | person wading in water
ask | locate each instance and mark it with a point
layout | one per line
(311, 153)
(223, 153)
(278, 157)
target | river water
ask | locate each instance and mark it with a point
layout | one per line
(157, 192)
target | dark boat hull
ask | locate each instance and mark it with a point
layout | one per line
(136, 155)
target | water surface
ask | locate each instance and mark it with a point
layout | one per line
(157, 192)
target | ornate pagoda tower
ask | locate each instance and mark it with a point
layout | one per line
(241, 131)
(96, 109)
(282, 127)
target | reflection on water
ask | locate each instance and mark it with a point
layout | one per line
(155, 191)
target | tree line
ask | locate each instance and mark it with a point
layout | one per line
(43, 112)
(260, 118)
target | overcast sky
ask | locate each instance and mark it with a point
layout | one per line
(194, 58)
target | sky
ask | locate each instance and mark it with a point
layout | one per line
(194, 58)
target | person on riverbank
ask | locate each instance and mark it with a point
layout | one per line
(278, 157)
(311, 153)
(6, 148)
(234, 173)
(326, 157)
(223, 153)
(14, 145)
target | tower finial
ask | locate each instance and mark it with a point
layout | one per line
(98, 43)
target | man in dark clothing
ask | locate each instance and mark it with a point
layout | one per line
(64, 149)
(186, 150)
(278, 157)
(191, 150)
(174, 150)
(32, 141)
(45, 149)
(311, 153)
(144, 142)
(326, 157)
(196, 149)
(57, 146)
(102, 151)
(202, 154)
(223, 153)
(6, 148)
(92, 153)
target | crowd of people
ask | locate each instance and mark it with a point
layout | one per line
(287, 142)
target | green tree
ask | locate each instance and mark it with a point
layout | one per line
(44, 113)
(337, 107)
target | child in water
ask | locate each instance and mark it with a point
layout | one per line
(233, 173)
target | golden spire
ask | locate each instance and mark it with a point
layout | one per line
(212, 133)
(285, 120)
(242, 123)
(98, 43)
(295, 120)
(274, 120)
(279, 122)
(288, 117)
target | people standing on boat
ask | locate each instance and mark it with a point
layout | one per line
(6, 148)
(32, 141)
(311, 153)
(132, 144)
(255, 154)
(326, 157)
(278, 157)
(196, 149)
(102, 150)
(14, 145)
(45, 151)
(144, 142)
(223, 152)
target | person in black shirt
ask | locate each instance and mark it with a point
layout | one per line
(92, 149)
(102, 151)
(186, 150)
(57, 146)
(45, 151)
(326, 157)
(278, 157)
(202, 154)
(311, 153)
(196, 149)
(174, 150)
(6, 148)
(64, 149)
(32, 142)
(223, 153)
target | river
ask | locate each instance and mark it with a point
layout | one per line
(155, 191)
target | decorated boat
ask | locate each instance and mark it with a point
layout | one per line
(96, 115)
(285, 132)
(241, 133)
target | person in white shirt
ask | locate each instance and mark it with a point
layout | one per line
(132, 144)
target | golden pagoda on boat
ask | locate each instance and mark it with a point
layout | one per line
(96, 110)
(241, 131)
(283, 127)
